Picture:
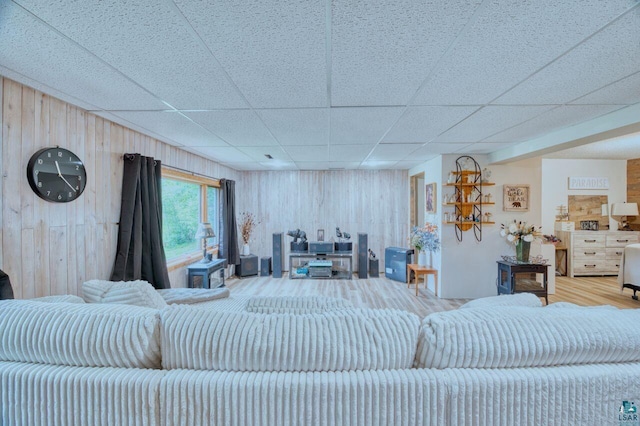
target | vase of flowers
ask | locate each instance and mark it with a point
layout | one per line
(425, 239)
(521, 235)
(247, 224)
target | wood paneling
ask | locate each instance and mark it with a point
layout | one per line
(633, 189)
(373, 202)
(50, 248)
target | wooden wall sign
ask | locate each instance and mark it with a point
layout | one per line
(516, 198)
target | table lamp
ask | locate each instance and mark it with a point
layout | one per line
(620, 211)
(204, 231)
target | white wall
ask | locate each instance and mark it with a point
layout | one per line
(468, 268)
(555, 184)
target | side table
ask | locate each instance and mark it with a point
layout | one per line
(200, 273)
(519, 278)
(419, 271)
(248, 266)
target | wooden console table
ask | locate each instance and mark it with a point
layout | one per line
(419, 271)
(517, 278)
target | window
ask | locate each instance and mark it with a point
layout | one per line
(186, 201)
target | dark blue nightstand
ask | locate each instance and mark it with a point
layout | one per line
(200, 273)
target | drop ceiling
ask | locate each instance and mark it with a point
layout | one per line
(333, 84)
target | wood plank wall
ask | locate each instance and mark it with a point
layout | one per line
(50, 248)
(633, 189)
(374, 202)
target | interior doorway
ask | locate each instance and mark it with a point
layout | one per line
(417, 200)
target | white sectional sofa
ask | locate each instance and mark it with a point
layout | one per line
(110, 364)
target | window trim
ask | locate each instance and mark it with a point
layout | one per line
(204, 182)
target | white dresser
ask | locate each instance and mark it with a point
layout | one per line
(595, 252)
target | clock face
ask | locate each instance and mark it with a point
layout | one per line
(56, 174)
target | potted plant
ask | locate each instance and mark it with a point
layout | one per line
(521, 235)
(425, 239)
(247, 225)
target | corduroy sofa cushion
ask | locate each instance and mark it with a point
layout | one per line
(500, 337)
(200, 339)
(85, 335)
(139, 293)
(296, 304)
(518, 299)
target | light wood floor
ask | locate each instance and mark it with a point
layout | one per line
(385, 293)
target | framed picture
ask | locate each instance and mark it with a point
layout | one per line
(320, 235)
(430, 198)
(516, 198)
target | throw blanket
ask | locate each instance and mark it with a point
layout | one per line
(192, 295)
(630, 266)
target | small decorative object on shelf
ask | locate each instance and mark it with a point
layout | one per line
(295, 245)
(247, 224)
(343, 245)
(551, 239)
(486, 174)
(372, 255)
(520, 235)
(425, 239)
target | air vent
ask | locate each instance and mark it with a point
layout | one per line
(269, 156)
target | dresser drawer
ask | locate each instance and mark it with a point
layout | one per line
(588, 240)
(586, 253)
(613, 266)
(621, 240)
(614, 253)
(586, 267)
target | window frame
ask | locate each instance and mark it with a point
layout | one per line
(204, 182)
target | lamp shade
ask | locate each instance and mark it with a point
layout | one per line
(205, 231)
(624, 209)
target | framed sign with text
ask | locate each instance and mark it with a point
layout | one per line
(516, 198)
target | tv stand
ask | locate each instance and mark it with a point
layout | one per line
(341, 265)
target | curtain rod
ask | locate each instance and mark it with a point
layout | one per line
(177, 168)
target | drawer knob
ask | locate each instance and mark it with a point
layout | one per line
(619, 253)
(589, 241)
(589, 266)
(590, 252)
(622, 241)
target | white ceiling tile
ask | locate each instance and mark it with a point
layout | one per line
(506, 42)
(258, 153)
(280, 165)
(312, 165)
(187, 78)
(308, 153)
(554, 119)
(31, 48)
(433, 149)
(361, 125)
(490, 120)
(389, 152)
(482, 148)
(382, 50)
(347, 165)
(375, 164)
(274, 51)
(172, 126)
(253, 166)
(224, 154)
(423, 123)
(347, 153)
(622, 92)
(626, 147)
(307, 126)
(406, 165)
(237, 127)
(608, 56)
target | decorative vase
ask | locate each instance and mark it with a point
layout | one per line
(246, 250)
(522, 250)
(422, 258)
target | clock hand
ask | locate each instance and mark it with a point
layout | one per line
(62, 177)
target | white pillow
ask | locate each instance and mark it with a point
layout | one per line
(63, 298)
(518, 299)
(296, 304)
(139, 293)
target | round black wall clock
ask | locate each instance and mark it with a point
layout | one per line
(56, 174)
